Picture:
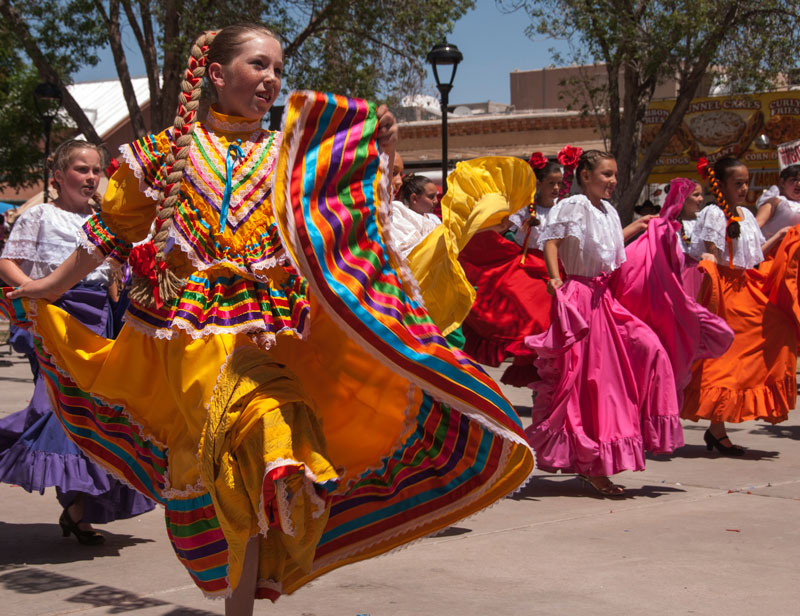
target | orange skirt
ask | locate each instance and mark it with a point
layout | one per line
(755, 378)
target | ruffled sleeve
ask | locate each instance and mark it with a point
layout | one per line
(129, 205)
(22, 243)
(769, 193)
(710, 227)
(567, 219)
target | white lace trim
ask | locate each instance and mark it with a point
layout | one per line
(189, 491)
(43, 237)
(130, 159)
(711, 227)
(86, 244)
(594, 242)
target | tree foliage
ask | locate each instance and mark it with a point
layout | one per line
(642, 43)
(364, 48)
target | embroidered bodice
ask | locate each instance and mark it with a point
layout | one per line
(236, 279)
(408, 228)
(518, 218)
(710, 227)
(593, 242)
(43, 237)
(787, 213)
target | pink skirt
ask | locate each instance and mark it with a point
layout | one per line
(607, 392)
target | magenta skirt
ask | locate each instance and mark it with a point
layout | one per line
(607, 391)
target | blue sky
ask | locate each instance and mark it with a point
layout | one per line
(493, 44)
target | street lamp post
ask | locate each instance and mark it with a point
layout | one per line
(47, 100)
(444, 54)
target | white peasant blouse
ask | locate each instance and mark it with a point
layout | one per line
(518, 219)
(710, 227)
(408, 228)
(593, 242)
(43, 237)
(787, 213)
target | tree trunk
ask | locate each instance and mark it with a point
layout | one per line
(47, 73)
(145, 38)
(173, 69)
(121, 63)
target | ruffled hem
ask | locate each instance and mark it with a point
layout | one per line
(489, 351)
(662, 434)
(561, 450)
(770, 402)
(520, 375)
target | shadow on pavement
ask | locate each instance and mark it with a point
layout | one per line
(39, 544)
(33, 581)
(781, 431)
(542, 487)
(452, 531)
(700, 451)
(523, 411)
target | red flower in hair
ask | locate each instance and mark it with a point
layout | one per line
(702, 167)
(537, 160)
(112, 167)
(568, 156)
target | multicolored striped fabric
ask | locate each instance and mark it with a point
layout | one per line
(212, 303)
(330, 200)
(104, 432)
(331, 187)
(100, 236)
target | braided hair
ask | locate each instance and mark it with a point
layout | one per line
(208, 48)
(716, 175)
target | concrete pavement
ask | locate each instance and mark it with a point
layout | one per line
(701, 535)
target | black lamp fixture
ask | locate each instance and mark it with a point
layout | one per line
(444, 54)
(47, 101)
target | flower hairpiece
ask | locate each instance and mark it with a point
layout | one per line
(537, 160)
(112, 167)
(568, 158)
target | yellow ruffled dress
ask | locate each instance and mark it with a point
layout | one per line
(335, 439)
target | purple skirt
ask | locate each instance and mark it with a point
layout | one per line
(35, 452)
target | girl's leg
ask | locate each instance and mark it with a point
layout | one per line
(243, 597)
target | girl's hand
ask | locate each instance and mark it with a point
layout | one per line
(553, 284)
(637, 226)
(36, 289)
(707, 256)
(387, 129)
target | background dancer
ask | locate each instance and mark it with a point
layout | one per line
(755, 378)
(607, 392)
(35, 452)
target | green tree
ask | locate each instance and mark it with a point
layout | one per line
(642, 43)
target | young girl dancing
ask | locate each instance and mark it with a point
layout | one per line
(755, 378)
(607, 392)
(274, 386)
(35, 452)
(779, 206)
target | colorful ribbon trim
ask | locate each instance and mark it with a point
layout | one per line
(234, 153)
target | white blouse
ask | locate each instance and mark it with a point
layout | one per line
(593, 242)
(43, 237)
(787, 213)
(408, 228)
(518, 219)
(710, 227)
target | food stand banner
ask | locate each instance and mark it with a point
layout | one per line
(789, 154)
(726, 126)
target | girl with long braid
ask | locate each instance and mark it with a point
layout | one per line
(277, 386)
(755, 377)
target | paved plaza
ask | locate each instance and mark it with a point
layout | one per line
(700, 535)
